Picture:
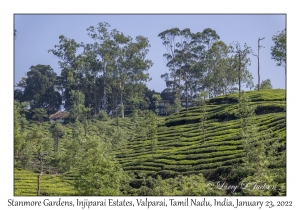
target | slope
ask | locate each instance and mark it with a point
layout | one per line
(181, 148)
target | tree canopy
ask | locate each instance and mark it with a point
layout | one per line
(278, 51)
(40, 89)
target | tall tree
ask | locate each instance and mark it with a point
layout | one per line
(258, 64)
(248, 130)
(170, 39)
(70, 64)
(92, 82)
(131, 63)
(255, 161)
(201, 99)
(40, 88)
(42, 154)
(152, 133)
(222, 74)
(185, 58)
(243, 61)
(77, 104)
(204, 41)
(78, 110)
(278, 51)
(105, 50)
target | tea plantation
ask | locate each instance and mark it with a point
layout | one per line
(25, 184)
(183, 149)
(182, 146)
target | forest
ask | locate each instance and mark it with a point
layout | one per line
(97, 129)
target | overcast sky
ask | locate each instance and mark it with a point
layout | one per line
(36, 34)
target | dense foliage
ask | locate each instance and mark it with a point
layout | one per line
(240, 141)
(278, 51)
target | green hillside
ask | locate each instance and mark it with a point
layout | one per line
(181, 149)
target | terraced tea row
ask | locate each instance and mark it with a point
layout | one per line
(26, 184)
(181, 148)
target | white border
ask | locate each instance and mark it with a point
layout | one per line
(8, 8)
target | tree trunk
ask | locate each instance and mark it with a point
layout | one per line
(258, 85)
(104, 88)
(39, 185)
(258, 68)
(122, 105)
(85, 124)
(240, 74)
(203, 119)
(95, 98)
(203, 131)
(39, 176)
(187, 97)
(57, 143)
